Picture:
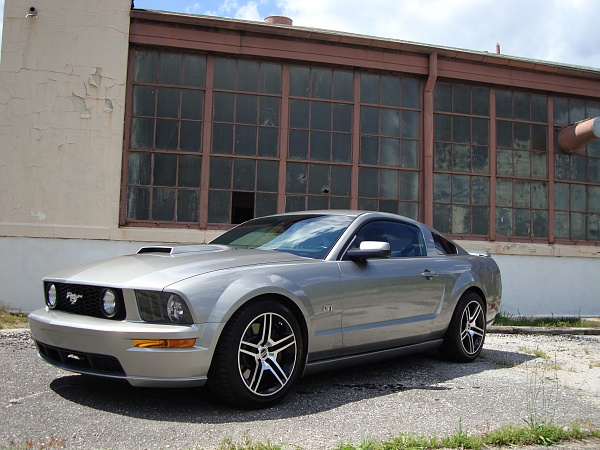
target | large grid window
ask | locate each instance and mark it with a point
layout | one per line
(246, 111)
(164, 159)
(389, 172)
(521, 167)
(577, 178)
(461, 181)
(319, 165)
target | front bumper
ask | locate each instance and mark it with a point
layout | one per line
(104, 348)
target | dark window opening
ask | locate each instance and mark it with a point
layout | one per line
(242, 207)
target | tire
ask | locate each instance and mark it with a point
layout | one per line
(465, 336)
(258, 357)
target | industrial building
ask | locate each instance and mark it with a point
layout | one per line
(121, 126)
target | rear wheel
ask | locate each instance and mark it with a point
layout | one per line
(258, 357)
(464, 339)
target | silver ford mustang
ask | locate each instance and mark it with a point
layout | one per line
(268, 301)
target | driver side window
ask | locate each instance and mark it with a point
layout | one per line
(405, 240)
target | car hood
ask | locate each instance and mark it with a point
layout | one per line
(158, 267)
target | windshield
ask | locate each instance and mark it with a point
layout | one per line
(303, 235)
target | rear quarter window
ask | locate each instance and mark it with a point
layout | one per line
(443, 246)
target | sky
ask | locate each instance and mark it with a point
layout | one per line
(563, 31)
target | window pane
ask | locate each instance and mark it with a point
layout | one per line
(142, 133)
(222, 138)
(410, 124)
(224, 73)
(194, 70)
(411, 93)
(219, 206)
(480, 160)
(390, 91)
(461, 189)
(369, 88)
(247, 79)
(504, 192)
(167, 134)
(388, 184)
(244, 174)
(165, 169)
(268, 141)
(299, 113)
(410, 154)
(522, 222)
(504, 221)
(146, 67)
(367, 182)
(341, 177)
(522, 139)
(220, 173)
(369, 151)
(318, 179)
(191, 104)
(409, 186)
(442, 98)
(461, 129)
(298, 144)
(443, 127)
(187, 205)
(442, 216)
(321, 83)
(144, 98)
(539, 108)
(480, 188)
(461, 99)
(343, 83)
(461, 158)
(341, 148)
(270, 78)
(539, 221)
(539, 195)
(170, 68)
(481, 220)
(442, 156)
(522, 194)
(320, 116)
(223, 107)
(480, 131)
(266, 204)
(390, 152)
(296, 178)
(268, 115)
(342, 117)
(369, 120)
(481, 102)
(246, 108)
(320, 146)
(163, 204)
(139, 168)
(390, 122)
(189, 171)
(441, 188)
(521, 106)
(461, 219)
(504, 104)
(300, 81)
(168, 103)
(245, 140)
(190, 136)
(138, 203)
(267, 176)
(522, 164)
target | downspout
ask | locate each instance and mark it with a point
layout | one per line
(428, 141)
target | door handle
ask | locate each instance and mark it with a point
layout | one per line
(429, 274)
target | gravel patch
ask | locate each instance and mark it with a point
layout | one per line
(518, 378)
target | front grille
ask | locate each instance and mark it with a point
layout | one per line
(81, 362)
(85, 300)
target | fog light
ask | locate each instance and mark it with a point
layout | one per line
(51, 296)
(164, 343)
(109, 303)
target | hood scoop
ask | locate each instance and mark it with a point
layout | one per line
(173, 250)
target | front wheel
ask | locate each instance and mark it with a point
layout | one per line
(464, 338)
(258, 357)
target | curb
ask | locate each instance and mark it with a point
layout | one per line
(552, 331)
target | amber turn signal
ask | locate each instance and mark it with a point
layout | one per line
(164, 343)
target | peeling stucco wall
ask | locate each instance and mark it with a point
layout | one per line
(62, 96)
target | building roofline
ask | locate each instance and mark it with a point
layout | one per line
(373, 42)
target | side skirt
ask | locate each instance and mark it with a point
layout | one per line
(365, 358)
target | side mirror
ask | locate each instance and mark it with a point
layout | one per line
(370, 249)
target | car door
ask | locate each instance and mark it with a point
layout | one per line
(391, 301)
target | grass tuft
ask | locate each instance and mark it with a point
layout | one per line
(9, 320)
(511, 320)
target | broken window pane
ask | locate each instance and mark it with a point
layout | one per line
(296, 178)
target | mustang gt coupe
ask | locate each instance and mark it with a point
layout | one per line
(268, 301)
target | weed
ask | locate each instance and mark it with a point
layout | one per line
(12, 320)
(504, 319)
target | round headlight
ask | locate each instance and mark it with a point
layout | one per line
(175, 308)
(51, 296)
(109, 303)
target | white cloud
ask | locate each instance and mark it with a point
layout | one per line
(551, 30)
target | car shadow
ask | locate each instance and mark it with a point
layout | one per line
(312, 394)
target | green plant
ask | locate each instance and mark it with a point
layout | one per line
(504, 319)
(12, 320)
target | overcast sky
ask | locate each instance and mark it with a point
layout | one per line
(564, 31)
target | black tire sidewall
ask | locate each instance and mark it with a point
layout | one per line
(226, 368)
(452, 347)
